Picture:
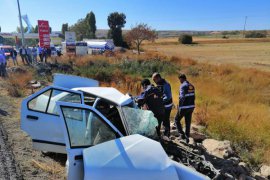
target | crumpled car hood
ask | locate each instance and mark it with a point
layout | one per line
(133, 157)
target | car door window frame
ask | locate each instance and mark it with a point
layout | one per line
(93, 110)
(51, 88)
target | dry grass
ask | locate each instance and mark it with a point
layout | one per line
(251, 53)
(17, 83)
(233, 103)
(115, 58)
(208, 40)
(50, 168)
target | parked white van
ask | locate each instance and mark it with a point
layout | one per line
(81, 48)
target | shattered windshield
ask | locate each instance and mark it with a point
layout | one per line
(140, 122)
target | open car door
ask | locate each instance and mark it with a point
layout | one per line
(97, 150)
(83, 127)
(40, 118)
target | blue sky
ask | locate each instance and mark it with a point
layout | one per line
(159, 14)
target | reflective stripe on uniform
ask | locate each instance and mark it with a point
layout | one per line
(187, 107)
(189, 94)
(168, 105)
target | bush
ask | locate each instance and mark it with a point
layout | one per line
(17, 83)
(146, 68)
(100, 70)
(255, 34)
(185, 39)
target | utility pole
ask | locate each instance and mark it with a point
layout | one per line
(20, 18)
(244, 31)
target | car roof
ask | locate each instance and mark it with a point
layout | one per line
(108, 93)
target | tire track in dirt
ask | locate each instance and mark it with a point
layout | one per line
(9, 169)
(8, 166)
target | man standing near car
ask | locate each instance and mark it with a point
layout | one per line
(2, 51)
(186, 106)
(29, 55)
(40, 52)
(165, 88)
(23, 54)
(151, 99)
(13, 54)
(3, 64)
(34, 53)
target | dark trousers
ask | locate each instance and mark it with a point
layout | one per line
(166, 122)
(160, 118)
(41, 57)
(23, 58)
(187, 113)
(29, 58)
(3, 70)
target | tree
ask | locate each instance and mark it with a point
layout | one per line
(64, 28)
(140, 33)
(116, 21)
(256, 34)
(50, 30)
(0, 29)
(85, 28)
(36, 29)
(91, 23)
(185, 39)
(80, 28)
(19, 29)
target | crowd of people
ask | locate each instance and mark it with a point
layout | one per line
(158, 99)
(29, 56)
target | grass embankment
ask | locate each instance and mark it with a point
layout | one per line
(233, 103)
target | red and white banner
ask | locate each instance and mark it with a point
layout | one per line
(44, 34)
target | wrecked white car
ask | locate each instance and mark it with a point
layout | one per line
(95, 150)
(99, 130)
(41, 120)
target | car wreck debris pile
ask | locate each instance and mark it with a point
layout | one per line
(212, 158)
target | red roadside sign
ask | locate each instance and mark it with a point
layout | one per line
(44, 34)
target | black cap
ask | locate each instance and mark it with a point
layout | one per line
(182, 76)
(145, 82)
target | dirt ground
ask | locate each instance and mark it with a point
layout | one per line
(17, 147)
(251, 53)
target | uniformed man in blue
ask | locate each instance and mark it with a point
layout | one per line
(186, 106)
(165, 88)
(151, 99)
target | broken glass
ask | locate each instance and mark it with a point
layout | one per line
(140, 122)
(86, 128)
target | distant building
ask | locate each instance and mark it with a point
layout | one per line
(215, 32)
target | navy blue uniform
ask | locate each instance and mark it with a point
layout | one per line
(165, 87)
(186, 107)
(152, 97)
